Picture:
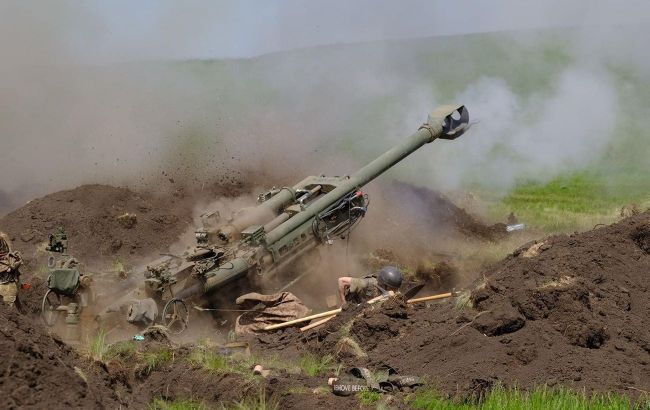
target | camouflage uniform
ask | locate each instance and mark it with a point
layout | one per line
(362, 289)
(9, 273)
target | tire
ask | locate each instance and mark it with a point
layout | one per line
(175, 316)
(49, 312)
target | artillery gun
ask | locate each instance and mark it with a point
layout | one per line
(287, 223)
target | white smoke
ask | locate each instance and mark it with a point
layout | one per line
(529, 139)
(96, 92)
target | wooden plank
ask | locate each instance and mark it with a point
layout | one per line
(316, 324)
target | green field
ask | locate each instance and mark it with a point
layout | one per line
(576, 201)
(541, 398)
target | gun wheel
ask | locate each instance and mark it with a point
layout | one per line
(175, 316)
(49, 308)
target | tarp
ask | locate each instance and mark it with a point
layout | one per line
(267, 310)
(64, 281)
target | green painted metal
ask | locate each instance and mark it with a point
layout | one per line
(440, 124)
(292, 235)
(226, 273)
(298, 219)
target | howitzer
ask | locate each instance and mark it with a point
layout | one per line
(287, 223)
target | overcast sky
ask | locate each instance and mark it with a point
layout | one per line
(60, 31)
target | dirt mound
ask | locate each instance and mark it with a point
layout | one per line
(105, 223)
(571, 310)
(31, 299)
(42, 372)
(181, 380)
(90, 215)
(576, 312)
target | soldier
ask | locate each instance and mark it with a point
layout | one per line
(9, 274)
(360, 290)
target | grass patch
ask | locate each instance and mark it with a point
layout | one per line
(257, 402)
(210, 361)
(125, 350)
(97, 347)
(464, 300)
(313, 365)
(541, 398)
(368, 398)
(214, 362)
(576, 201)
(272, 362)
(178, 404)
(155, 359)
(308, 364)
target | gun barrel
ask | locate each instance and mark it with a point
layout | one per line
(226, 273)
(447, 122)
(260, 213)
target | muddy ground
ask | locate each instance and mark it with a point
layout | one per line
(569, 310)
(40, 371)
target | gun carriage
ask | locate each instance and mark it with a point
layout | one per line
(287, 223)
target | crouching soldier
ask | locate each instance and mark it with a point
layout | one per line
(361, 290)
(9, 273)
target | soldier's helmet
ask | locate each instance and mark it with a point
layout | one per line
(390, 277)
(4, 245)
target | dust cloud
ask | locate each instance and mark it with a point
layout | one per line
(143, 96)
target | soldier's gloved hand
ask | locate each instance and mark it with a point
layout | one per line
(345, 306)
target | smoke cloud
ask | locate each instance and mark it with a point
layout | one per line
(135, 94)
(530, 140)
